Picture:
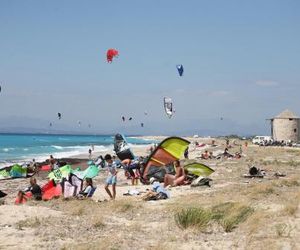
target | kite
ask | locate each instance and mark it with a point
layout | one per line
(59, 115)
(122, 148)
(145, 113)
(168, 151)
(79, 123)
(198, 169)
(142, 125)
(111, 53)
(180, 69)
(89, 125)
(168, 105)
(130, 119)
(123, 118)
(50, 124)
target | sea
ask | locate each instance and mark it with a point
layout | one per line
(20, 148)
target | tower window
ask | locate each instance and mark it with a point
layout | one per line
(295, 130)
(290, 119)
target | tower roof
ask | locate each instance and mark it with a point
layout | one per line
(286, 114)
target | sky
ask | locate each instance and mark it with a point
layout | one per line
(241, 61)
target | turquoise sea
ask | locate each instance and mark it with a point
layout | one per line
(24, 147)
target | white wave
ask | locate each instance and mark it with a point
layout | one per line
(57, 147)
(8, 149)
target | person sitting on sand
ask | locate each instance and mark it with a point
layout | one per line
(177, 179)
(112, 176)
(33, 190)
(129, 166)
(211, 155)
(87, 188)
(157, 192)
(32, 167)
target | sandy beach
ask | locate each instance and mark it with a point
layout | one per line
(131, 223)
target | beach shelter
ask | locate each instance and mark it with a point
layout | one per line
(168, 151)
(198, 169)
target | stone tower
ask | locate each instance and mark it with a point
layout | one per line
(285, 127)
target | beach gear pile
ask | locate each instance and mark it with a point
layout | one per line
(64, 181)
(16, 171)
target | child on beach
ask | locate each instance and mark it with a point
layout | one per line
(87, 189)
(112, 176)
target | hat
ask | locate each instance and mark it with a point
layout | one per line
(152, 179)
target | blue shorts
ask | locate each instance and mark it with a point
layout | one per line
(111, 180)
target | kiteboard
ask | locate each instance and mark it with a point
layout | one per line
(122, 148)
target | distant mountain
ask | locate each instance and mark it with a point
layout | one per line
(202, 127)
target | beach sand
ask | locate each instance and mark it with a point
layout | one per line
(272, 221)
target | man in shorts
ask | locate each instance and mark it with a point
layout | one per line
(112, 176)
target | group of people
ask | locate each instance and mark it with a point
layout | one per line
(132, 167)
(35, 191)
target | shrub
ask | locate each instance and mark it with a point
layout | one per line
(193, 217)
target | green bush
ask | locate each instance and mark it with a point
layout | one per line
(193, 217)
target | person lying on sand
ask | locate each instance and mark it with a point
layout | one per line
(177, 179)
(157, 192)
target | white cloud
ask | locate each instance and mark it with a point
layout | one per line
(266, 83)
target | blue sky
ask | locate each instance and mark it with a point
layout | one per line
(241, 62)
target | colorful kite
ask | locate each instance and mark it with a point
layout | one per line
(111, 53)
(168, 151)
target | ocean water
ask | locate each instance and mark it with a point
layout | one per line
(16, 148)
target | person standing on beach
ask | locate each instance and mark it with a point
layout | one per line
(90, 153)
(52, 163)
(112, 176)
